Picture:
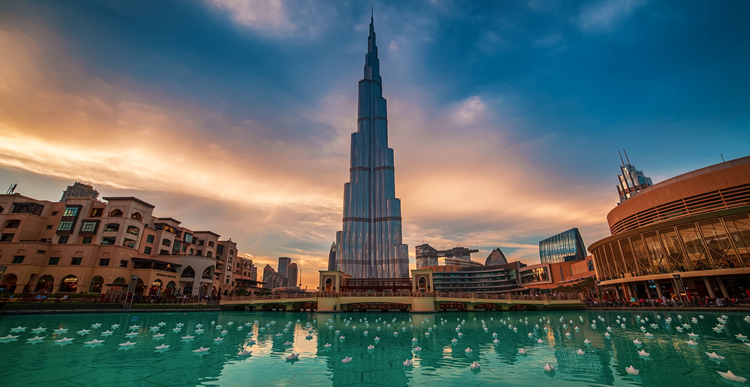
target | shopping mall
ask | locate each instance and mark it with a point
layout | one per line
(689, 234)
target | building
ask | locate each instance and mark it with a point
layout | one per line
(283, 263)
(370, 244)
(496, 257)
(332, 257)
(547, 276)
(478, 279)
(688, 235)
(292, 272)
(631, 180)
(79, 190)
(427, 255)
(566, 246)
(87, 245)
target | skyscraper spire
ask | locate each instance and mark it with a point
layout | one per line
(370, 244)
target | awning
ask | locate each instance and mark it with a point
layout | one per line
(149, 260)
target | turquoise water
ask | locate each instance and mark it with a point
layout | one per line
(672, 362)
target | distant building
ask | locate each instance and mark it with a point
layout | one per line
(496, 257)
(332, 257)
(283, 263)
(566, 246)
(632, 181)
(291, 274)
(427, 255)
(79, 190)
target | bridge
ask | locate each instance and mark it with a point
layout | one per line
(405, 300)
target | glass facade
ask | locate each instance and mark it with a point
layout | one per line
(719, 243)
(566, 246)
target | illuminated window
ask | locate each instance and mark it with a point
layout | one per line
(70, 211)
(89, 226)
(65, 226)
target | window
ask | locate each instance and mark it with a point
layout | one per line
(132, 230)
(54, 213)
(137, 216)
(177, 246)
(87, 240)
(18, 259)
(227, 280)
(65, 226)
(112, 227)
(62, 240)
(104, 262)
(108, 241)
(7, 237)
(96, 212)
(184, 249)
(123, 263)
(150, 239)
(89, 226)
(53, 261)
(147, 250)
(70, 211)
(115, 214)
(166, 242)
(48, 227)
(210, 244)
(219, 249)
(188, 238)
(13, 223)
(76, 261)
(129, 243)
(200, 253)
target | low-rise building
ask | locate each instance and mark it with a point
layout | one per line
(88, 245)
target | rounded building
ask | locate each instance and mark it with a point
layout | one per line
(689, 235)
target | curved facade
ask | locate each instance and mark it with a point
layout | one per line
(696, 225)
(563, 247)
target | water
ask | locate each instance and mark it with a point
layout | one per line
(671, 362)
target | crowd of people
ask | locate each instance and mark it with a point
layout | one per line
(665, 302)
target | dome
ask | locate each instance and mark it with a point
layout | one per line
(495, 258)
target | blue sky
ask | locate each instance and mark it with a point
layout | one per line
(505, 117)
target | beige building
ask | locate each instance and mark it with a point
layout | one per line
(87, 245)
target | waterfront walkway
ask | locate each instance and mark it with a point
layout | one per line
(407, 301)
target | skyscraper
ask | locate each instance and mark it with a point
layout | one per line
(283, 264)
(631, 180)
(370, 244)
(332, 257)
(291, 274)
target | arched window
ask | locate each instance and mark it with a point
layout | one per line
(166, 242)
(170, 288)
(133, 230)
(245, 274)
(329, 285)
(188, 273)
(112, 227)
(139, 286)
(115, 213)
(137, 216)
(188, 290)
(155, 288)
(96, 284)
(119, 281)
(231, 252)
(13, 223)
(210, 254)
(8, 283)
(422, 284)
(69, 284)
(207, 273)
(210, 244)
(45, 284)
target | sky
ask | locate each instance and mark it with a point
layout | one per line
(235, 116)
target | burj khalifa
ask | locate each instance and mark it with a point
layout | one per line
(370, 244)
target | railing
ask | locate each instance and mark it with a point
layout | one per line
(480, 296)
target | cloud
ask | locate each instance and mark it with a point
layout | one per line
(278, 18)
(607, 15)
(469, 111)
(548, 41)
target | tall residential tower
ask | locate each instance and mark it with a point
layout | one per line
(370, 244)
